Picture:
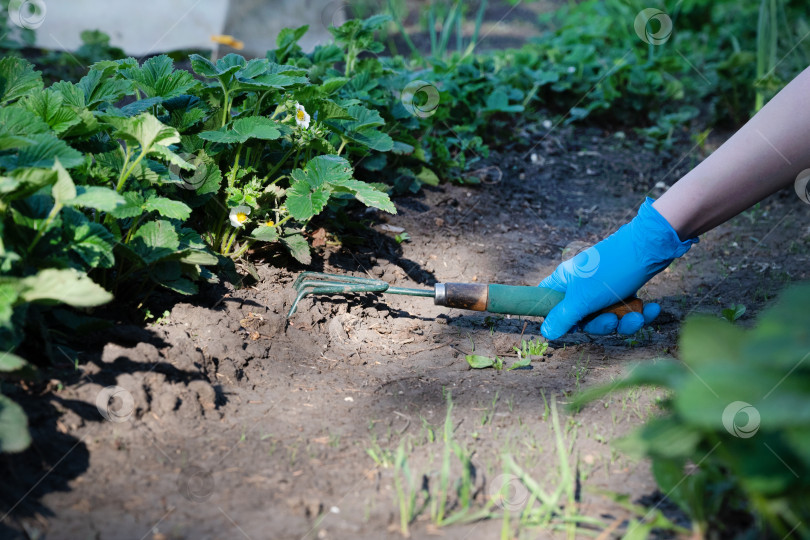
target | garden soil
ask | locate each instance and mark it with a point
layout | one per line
(237, 423)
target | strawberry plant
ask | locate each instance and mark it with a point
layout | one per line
(734, 436)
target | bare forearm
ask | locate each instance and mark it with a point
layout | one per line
(764, 156)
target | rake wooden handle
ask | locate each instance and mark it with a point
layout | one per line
(515, 300)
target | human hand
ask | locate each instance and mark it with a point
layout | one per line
(613, 270)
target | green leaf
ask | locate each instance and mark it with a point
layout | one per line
(223, 136)
(42, 153)
(366, 194)
(265, 233)
(329, 110)
(706, 340)
(17, 121)
(9, 293)
(364, 118)
(155, 240)
(376, 22)
(665, 437)
(498, 101)
(225, 66)
(11, 362)
(49, 106)
(520, 362)
(704, 398)
(195, 256)
(157, 78)
(305, 201)
(298, 247)
(133, 206)
(199, 186)
(14, 435)
(98, 87)
(13, 141)
(94, 244)
(363, 128)
(270, 80)
(181, 285)
(97, 197)
(333, 84)
(67, 286)
(17, 78)
(71, 94)
(88, 125)
(203, 66)
(145, 130)
(251, 127)
(168, 208)
(311, 187)
(479, 362)
(25, 182)
(185, 111)
(734, 312)
(403, 149)
(64, 189)
(137, 107)
(257, 127)
(376, 140)
(321, 170)
(427, 176)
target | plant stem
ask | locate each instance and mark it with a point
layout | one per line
(230, 242)
(244, 248)
(132, 229)
(342, 145)
(125, 175)
(278, 165)
(226, 107)
(45, 225)
(258, 108)
(225, 240)
(232, 179)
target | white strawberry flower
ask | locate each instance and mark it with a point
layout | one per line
(238, 215)
(301, 116)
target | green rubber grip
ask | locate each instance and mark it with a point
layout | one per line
(522, 300)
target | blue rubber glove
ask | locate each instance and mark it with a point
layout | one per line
(610, 271)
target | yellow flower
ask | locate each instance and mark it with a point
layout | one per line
(269, 223)
(230, 41)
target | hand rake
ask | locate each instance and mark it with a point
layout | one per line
(506, 299)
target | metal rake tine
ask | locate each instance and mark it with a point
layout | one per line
(332, 284)
(333, 278)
